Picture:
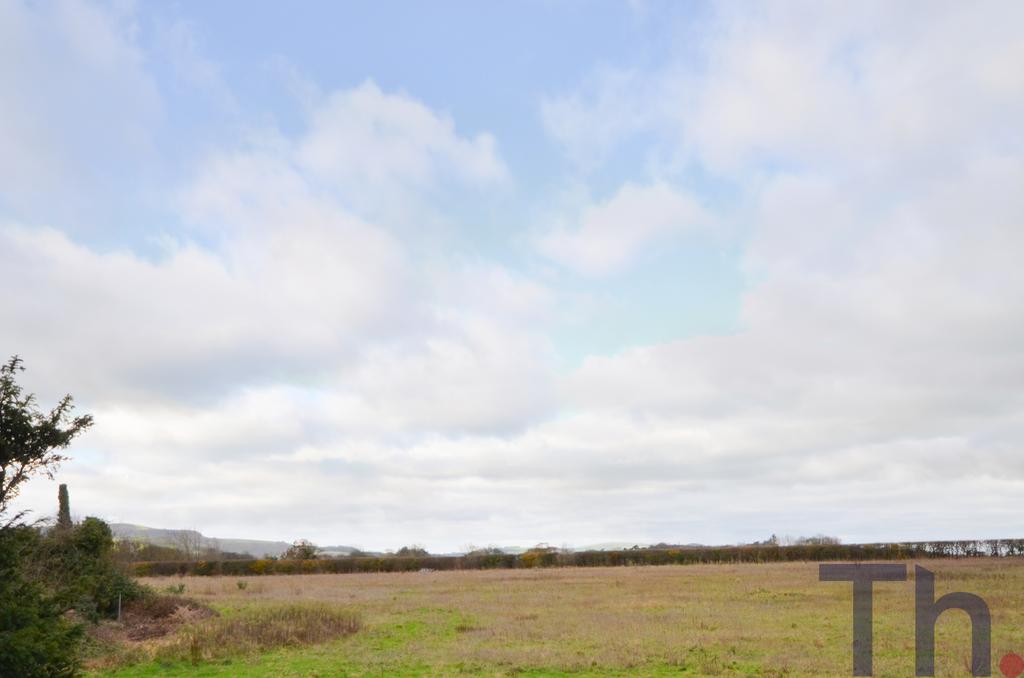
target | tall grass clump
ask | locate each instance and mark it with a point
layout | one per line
(261, 629)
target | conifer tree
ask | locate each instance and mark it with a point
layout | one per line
(64, 507)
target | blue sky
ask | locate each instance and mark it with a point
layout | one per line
(552, 271)
(221, 71)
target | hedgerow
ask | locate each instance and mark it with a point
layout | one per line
(546, 557)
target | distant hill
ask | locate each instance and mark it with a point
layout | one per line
(255, 547)
(262, 549)
(605, 546)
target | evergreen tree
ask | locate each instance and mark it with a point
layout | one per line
(30, 440)
(36, 639)
(64, 508)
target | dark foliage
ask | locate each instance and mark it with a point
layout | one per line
(37, 636)
(138, 551)
(36, 639)
(63, 508)
(301, 550)
(549, 557)
(30, 440)
(131, 551)
(78, 564)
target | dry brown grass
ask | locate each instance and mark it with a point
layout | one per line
(146, 624)
(262, 628)
(745, 619)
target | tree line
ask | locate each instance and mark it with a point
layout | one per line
(550, 557)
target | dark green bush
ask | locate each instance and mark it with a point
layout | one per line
(78, 565)
(303, 549)
(36, 639)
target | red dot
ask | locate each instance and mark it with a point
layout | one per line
(1011, 665)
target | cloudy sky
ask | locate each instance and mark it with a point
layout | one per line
(452, 273)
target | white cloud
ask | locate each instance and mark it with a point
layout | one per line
(296, 326)
(178, 43)
(612, 104)
(876, 154)
(867, 86)
(291, 285)
(612, 234)
(365, 137)
(195, 321)
(309, 373)
(75, 88)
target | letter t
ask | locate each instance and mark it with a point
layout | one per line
(862, 576)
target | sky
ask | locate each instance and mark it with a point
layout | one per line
(460, 273)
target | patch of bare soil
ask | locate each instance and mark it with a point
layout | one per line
(151, 618)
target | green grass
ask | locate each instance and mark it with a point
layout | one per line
(765, 621)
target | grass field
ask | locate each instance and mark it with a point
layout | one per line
(713, 620)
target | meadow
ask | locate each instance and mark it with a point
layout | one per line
(702, 620)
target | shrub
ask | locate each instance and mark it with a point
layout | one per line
(36, 638)
(77, 563)
(204, 567)
(539, 556)
(301, 550)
